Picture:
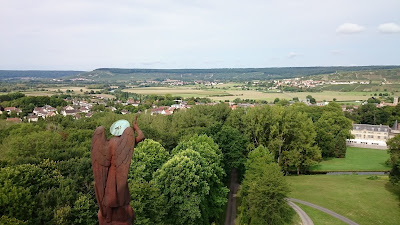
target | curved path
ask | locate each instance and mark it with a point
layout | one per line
(305, 219)
(325, 210)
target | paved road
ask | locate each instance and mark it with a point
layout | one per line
(342, 218)
(305, 219)
(231, 208)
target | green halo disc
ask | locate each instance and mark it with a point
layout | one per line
(118, 127)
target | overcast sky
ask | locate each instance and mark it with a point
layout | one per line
(88, 34)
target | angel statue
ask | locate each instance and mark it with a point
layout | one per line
(110, 163)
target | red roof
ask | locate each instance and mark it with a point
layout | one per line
(14, 119)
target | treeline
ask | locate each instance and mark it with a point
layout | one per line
(370, 114)
(224, 74)
(179, 174)
(11, 74)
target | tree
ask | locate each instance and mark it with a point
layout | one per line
(394, 151)
(312, 100)
(212, 155)
(333, 128)
(234, 148)
(148, 156)
(263, 191)
(182, 181)
(292, 140)
(148, 202)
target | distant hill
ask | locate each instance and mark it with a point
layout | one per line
(373, 75)
(17, 74)
(225, 74)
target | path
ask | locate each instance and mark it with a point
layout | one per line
(305, 219)
(231, 208)
(342, 218)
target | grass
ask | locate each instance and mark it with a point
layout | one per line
(296, 220)
(360, 199)
(357, 159)
(319, 217)
(225, 91)
(176, 91)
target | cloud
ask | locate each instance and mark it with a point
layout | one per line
(350, 28)
(292, 55)
(389, 28)
(336, 52)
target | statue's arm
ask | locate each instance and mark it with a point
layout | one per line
(140, 137)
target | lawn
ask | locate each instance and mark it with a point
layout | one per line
(362, 200)
(319, 217)
(357, 159)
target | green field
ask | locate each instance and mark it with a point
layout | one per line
(360, 199)
(319, 217)
(357, 159)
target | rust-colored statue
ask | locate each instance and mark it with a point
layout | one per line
(110, 163)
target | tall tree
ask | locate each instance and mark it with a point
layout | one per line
(296, 146)
(213, 157)
(264, 191)
(394, 150)
(234, 148)
(182, 180)
(333, 128)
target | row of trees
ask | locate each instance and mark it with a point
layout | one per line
(370, 114)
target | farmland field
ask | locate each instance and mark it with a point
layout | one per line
(76, 90)
(177, 91)
(223, 92)
(219, 94)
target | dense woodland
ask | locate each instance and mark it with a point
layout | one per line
(223, 74)
(226, 74)
(179, 174)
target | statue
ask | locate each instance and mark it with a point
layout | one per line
(110, 162)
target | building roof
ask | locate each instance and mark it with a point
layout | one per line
(369, 127)
(14, 119)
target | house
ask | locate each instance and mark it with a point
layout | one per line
(44, 111)
(88, 115)
(163, 110)
(32, 118)
(124, 111)
(84, 109)
(11, 109)
(132, 102)
(372, 136)
(71, 112)
(322, 103)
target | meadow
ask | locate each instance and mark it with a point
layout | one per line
(228, 92)
(225, 92)
(363, 199)
(55, 90)
(357, 159)
(319, 217)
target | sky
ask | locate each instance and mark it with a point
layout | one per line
(90, 34)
